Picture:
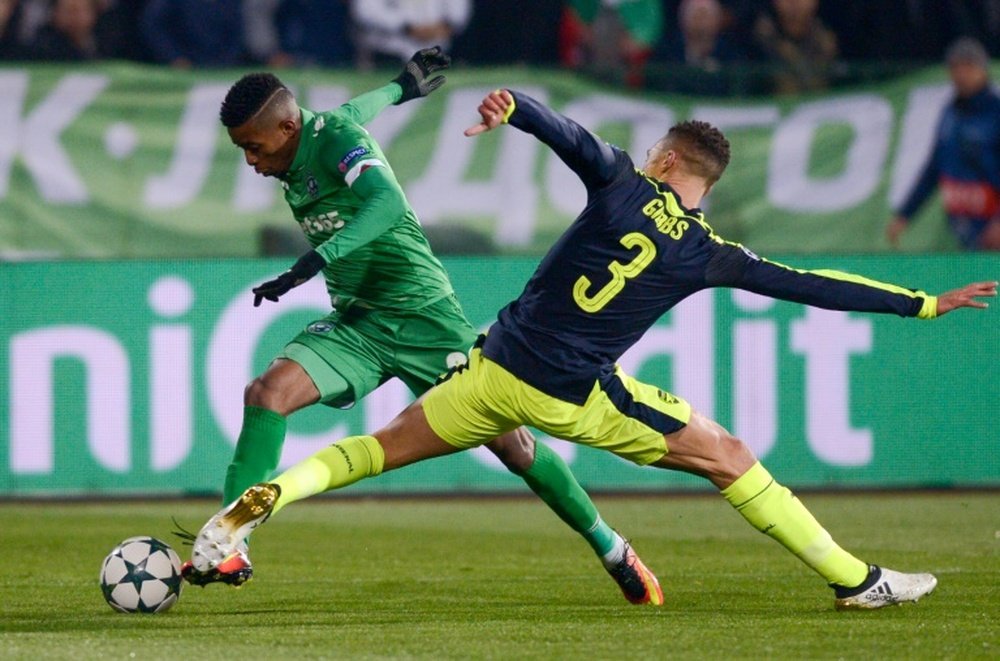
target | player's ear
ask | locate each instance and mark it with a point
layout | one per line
(669, 160)
(288, 127)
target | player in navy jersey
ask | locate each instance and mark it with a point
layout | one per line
(638, 248)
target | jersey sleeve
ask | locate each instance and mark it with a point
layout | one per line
(593, 160)
(365, 107)
(732, 265)
(369, 177)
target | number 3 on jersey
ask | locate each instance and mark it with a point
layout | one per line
(619, 274)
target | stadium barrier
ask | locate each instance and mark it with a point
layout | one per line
(126, 161)
(127, 377)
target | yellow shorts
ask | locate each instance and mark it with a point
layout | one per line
(482, 400)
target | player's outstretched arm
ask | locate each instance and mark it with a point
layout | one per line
(366, 107)
(731, 265)
(592, 159)
(412, 83)
(966, 297)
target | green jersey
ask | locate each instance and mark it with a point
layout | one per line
(346, 199)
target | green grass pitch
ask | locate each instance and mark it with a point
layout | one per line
(504, 579)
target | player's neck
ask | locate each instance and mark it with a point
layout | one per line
(688, 189)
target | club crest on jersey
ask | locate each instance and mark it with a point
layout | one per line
(352, 155)
(320, 327)
(312, 186)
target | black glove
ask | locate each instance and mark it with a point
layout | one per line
(414, 79)
(308, 265)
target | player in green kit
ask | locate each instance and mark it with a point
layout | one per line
(394, 311)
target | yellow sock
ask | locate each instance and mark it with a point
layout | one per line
(775, 511)
(345, 462)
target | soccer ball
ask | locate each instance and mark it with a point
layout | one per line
(141, 575)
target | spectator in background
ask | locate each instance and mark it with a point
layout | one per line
(532, 41)
(117, 29)
(798, 44)
(194, 33)
(283, 33)
(611, 38)
(890, 30)
(69, 35)
(703, 45)
(388, 32)
(10, 21)
(965, 160)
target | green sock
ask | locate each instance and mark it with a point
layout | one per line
(773, 510)
(345, 462)
(550, 478)
(258, 451)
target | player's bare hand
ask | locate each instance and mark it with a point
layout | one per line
(966, 297)
(492, 111)
(895, 229)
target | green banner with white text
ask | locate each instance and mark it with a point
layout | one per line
(124, 161)
(127, 378)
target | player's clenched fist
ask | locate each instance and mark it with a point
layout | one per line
(494, 110)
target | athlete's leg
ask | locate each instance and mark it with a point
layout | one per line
(405, 440)
(331, 361)
(282, 389)
(550, 478)
(436, 339)
(704, 448)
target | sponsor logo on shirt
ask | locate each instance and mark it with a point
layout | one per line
(324, 222)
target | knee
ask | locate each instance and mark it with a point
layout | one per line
(516, 450)
(735, 458)
(260, 394)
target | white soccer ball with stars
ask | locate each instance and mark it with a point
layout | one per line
(141, 575)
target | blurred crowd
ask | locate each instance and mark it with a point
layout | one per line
(801, 44)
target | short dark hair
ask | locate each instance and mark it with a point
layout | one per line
(247, 96)
(705, 150)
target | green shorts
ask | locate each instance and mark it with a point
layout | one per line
(368, 347)
(622, 415)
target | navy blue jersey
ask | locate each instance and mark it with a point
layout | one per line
(631, 255)
(966, 157)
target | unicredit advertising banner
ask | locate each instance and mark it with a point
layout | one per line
(127, 377)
